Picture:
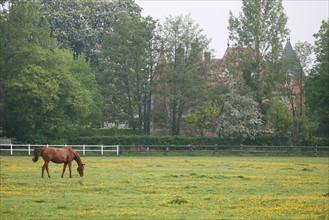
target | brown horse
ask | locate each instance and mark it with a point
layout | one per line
(58, 155)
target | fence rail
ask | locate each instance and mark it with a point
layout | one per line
(144, 149)
(80, 148)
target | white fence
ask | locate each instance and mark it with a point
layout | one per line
(80, 148)
(168, 149)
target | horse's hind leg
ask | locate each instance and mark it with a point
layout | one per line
(43, 170)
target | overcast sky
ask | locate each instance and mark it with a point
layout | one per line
(304, 17)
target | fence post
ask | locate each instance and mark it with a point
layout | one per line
(102, 153)
(140, 149)
(84, 150)
(11, 149)
(117, 150)
(167, 150)
(190, 148)
(29, 146)
(47, 145)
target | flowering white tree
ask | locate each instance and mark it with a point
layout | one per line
(240, 117)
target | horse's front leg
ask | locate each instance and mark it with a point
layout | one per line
(45, 166)
(64, 167)
(70, 165)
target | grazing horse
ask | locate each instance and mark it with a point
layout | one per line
(58, 155)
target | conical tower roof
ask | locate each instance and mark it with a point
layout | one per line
(288, 50)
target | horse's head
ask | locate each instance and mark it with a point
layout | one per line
(80, 169)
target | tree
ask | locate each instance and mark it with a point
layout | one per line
(203, 118)
(47, 99)
(317, 83)
(304, 52)
(82, 25)
(296, 66)
(46, 95)
(182, 76)
(126, 74)
(119, 44)
(261, 27)
(278, 117)
(21, 25)
(239, 118)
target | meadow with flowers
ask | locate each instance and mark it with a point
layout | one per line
(168, 188)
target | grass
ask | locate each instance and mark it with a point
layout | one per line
(168, 188)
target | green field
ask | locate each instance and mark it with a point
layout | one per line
(168, 188)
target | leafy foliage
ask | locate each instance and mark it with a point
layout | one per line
(52, 100)
(177, 140)
(240, 117)
(182, 77)
(304, 51)
(82, 25)
(203, 118)
(278, 116)
(303, 131)
(126, 76)
(261, 28)
(317, 83)
(47, 94)
(21, 26)
(65, 63)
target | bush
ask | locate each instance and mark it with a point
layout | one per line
(177, 140)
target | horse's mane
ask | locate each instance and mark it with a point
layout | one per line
(77, 157)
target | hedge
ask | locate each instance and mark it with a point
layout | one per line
(116, 136)
(176, 140)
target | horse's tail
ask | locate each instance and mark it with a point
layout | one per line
(37, 152)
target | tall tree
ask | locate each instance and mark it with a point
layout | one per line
(126, 72)
(304, 52)
(21, 25)
(82, 25)
(261, 27)
(46, 94)
(317, 83)
(295, 63)
(49, 97)
(182, 80)
(116, 40)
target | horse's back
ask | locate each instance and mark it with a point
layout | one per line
(58, 155)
